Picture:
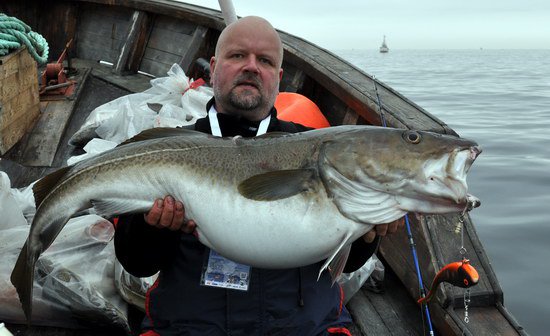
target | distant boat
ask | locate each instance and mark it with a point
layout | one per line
(384, 48)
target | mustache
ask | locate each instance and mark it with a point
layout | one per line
(248, 78)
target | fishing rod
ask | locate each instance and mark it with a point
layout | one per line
(408, 226)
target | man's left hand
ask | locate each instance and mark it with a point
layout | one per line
(384, 229)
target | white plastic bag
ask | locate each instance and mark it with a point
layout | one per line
(11, 214)
(180, 103)
(132, 289)
(94, 147)
(352, 282)
(74, 278)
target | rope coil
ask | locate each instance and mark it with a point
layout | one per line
(14, 33)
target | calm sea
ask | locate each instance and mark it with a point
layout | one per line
(501, 99)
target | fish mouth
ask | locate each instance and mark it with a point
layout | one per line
(447, 181)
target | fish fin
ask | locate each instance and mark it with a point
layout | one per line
(43, 187)
(109, 207)
(337, 261)
(22, 278)
(156, 107)
(277, 184)
(161, 132)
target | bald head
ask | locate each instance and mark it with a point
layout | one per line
(256, 28)
(246, 69)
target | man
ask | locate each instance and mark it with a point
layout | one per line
(245, 75)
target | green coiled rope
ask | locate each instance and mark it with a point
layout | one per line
(14, 33)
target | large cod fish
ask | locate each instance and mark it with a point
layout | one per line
(275, 201)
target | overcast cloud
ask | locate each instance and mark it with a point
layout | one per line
(418, 24)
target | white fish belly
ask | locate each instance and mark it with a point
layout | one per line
(292, 232)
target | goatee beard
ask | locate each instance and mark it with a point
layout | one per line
(245, 101)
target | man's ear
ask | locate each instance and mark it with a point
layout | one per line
(212, 67)
(280, 72)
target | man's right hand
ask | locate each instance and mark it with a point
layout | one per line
(169, 214)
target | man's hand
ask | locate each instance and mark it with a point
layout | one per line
(169, 214)
(384, 229)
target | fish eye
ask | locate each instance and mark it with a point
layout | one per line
(466, 282)
(412, 137)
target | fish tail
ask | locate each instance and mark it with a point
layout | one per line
(426, 298)
(433, 289)
(22, 278)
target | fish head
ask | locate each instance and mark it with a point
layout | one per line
(467, 275)
(421, 171)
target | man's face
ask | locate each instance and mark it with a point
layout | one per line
(246, 72)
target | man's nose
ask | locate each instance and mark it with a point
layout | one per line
(251, 64)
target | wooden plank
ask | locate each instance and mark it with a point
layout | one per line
(366, 317)
(112, 24)
(446, 240)
(57, 22)
(140, 45)
(135, 34)
(101, 34)
(350, 118)
(161, 56)
(192, 51)
(175, 25)
(392, 309)
(18, 97)
(45, 138)
(169, 41)
(297, 82)
(111, 12)
(333, 107)
(132, 83)
(93, 54)
(157, 62)
(99, 39)
(487, 321)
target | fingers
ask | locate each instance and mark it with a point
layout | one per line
(369, 236)
(153, 216)
(384, 229)
(167, 216)
(189, 226)
(168, 213)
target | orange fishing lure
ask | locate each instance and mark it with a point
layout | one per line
(459, 273)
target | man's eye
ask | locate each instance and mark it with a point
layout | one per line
(266, 61)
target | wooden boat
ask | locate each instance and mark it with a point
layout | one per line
(149, 36)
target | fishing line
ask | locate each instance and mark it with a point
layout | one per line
(408, 226)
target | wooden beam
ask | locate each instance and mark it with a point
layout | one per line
(366, 317)
(350, 118)
(192, 52)
(134, 46)
(297, 82)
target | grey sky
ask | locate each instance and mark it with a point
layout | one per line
(418, 24)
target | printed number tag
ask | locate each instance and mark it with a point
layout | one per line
(224, 273)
